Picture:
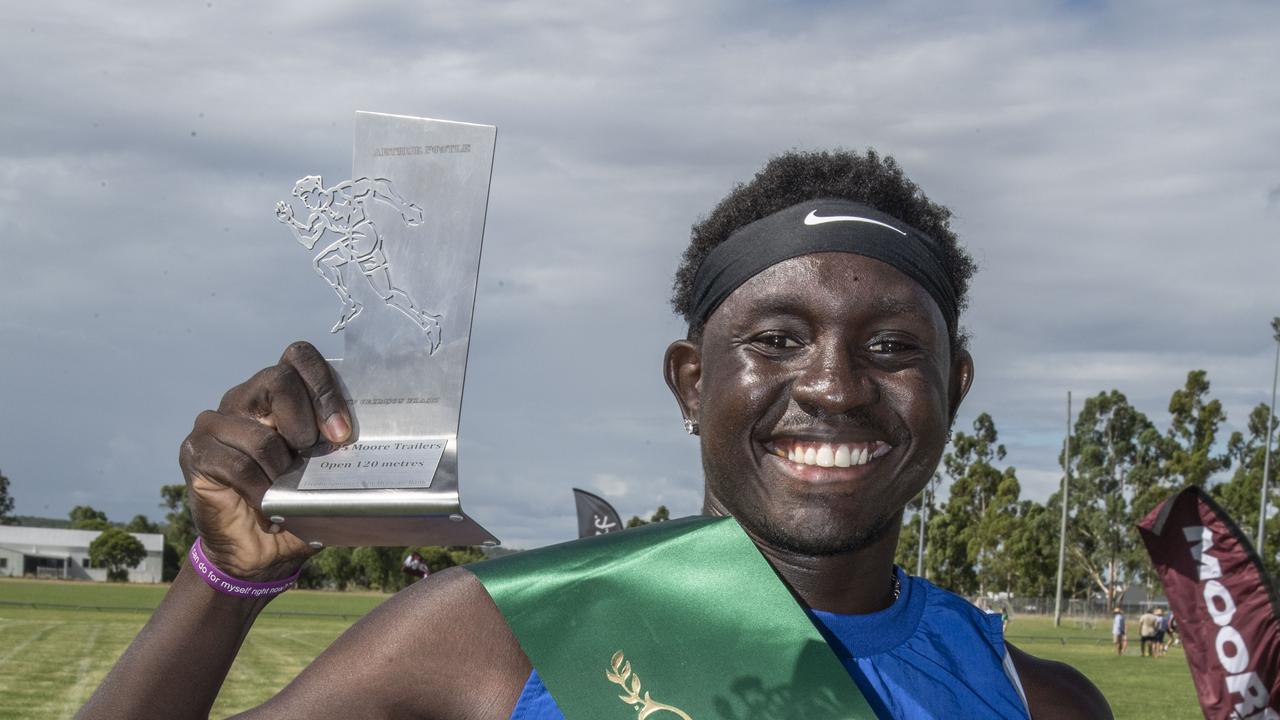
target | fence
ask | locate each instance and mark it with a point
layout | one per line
(1093, 612)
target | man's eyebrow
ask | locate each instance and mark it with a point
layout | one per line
(777, 305)
(889, 305)
(785, 304)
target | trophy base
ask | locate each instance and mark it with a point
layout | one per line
(387, 531)
(374, 517)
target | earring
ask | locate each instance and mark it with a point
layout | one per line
(690, 426)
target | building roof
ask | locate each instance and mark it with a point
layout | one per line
(18, 537)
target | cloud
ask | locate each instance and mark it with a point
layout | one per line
(1103, 162)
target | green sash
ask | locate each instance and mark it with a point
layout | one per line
(682, 619)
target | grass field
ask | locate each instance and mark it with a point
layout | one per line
(51, 658)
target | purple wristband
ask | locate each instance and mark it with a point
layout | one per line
(224, 583)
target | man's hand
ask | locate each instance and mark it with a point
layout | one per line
(234, 454)
(284, 212)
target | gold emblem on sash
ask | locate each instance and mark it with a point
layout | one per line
(620, 674)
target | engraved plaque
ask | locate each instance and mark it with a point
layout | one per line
(399, 245)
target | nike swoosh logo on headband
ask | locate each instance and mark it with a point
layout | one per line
(813, 218)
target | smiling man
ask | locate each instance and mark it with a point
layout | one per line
(823, 368)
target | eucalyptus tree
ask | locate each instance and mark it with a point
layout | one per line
(1239, 495)
(1117, 455)
(1193, 430)
(980, 512)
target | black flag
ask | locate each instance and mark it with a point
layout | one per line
(595, 516)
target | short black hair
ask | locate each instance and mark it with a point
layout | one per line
(798, 176)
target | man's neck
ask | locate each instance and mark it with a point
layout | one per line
(855, 582)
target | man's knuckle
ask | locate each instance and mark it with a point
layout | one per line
(204, 422)
(299, 351)
(328, 399)
(187, 453)
(267, 444)
(276, 379)
(241, 466)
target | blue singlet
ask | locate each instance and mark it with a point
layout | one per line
(928, 655)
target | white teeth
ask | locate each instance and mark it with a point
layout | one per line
(825, 457)
(842, 456)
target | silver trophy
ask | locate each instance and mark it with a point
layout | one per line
(399, 244)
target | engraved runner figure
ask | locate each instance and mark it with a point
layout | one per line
(342, 210)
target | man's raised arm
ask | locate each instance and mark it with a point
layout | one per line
(177, 663)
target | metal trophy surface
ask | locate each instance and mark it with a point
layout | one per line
(399, 245)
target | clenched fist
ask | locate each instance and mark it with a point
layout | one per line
(234, 454)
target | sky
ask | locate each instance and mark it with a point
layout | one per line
(1113, 168)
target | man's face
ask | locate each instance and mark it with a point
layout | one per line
(824, 388)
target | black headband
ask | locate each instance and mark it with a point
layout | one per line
(822, 226)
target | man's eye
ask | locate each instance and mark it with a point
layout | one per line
(777, 341)
(888, 347)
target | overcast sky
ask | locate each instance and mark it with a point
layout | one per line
(1115, 169)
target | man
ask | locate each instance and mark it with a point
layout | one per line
(1147, 631)
(1162, 627)
(1118, 636)
(822, 370)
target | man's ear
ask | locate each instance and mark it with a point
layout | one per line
(961, 380)
(682, 367)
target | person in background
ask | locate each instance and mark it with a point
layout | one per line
(1147, 631)
(1118, 631)
(1162, 627)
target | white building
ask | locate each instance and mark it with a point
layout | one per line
(53, 552)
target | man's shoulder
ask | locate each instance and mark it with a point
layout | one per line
(1057, 691)
(450, 606)
(939, 598)
(436, 649)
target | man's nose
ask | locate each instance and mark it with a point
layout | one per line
(834, 381)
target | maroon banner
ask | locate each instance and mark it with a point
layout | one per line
(1226, 607)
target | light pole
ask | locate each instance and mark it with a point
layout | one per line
(924, 509)
(1266, 462)
(1062, 535)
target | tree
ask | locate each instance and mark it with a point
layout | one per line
(1108, 450)
(330, 568)
(1192, 432)
(379, 567)
(1241, 495)
(140, 524)
(84, 517)
(439, 558)
(908, 551)
(179, 530)
(659, 515)
(978, 515)
(6, 502)
(1031, 550)
(117, 551)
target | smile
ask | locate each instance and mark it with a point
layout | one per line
(825, 454)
